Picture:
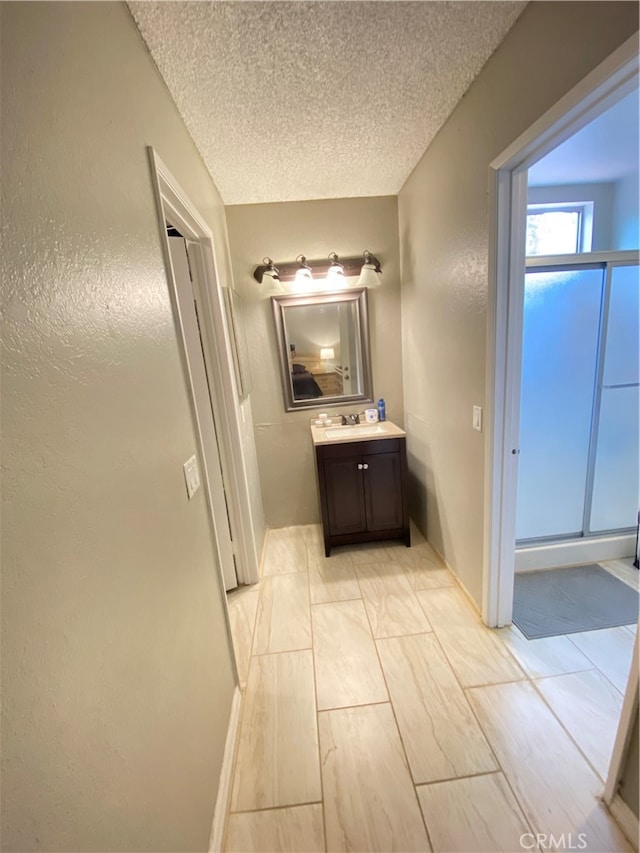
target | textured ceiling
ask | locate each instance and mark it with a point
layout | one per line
(306, 100)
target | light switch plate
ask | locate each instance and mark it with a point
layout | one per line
(191, 476)
(477, 418)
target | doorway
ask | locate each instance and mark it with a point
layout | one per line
(605, 86)
(183, 261)
(174, 207)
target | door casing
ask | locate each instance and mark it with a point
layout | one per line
(173, 204)
(203, 405)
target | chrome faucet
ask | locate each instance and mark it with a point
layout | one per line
(350, 419)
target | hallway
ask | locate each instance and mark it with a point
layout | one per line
(380, 714)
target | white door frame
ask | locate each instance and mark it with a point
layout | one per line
(604, 86)
(174, 204)
(616, 805)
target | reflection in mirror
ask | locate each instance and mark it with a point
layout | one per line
(323, 343)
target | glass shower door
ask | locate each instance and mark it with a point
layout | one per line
(559, 367)
(580, 404)
(615, 499)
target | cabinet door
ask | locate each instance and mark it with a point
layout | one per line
(383, 491)
(345, 497)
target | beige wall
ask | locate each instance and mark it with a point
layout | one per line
(283, 231)
(443, 212)
(117, 672)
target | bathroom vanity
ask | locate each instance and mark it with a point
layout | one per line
(362, 483)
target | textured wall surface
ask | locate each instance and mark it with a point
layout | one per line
(117, 672)
(444, 236)
(282, 231)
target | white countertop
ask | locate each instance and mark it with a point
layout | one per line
(357, 432)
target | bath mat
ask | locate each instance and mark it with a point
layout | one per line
(566, 601)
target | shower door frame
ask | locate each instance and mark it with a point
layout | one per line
(606, 262)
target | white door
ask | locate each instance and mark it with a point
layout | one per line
(204, 408)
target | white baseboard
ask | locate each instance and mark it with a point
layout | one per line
(625, 819)
(574, 553)
(226, 772)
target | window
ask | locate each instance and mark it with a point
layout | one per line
(559, 229)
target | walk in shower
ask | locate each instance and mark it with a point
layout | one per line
(580, 405)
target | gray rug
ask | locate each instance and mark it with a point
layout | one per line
(565, 601)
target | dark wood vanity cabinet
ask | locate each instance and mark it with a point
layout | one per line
(363, 491)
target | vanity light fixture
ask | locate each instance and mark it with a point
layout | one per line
(371, 272)
(303, 273)
(335, 270)
(267, 268)
(335, 273)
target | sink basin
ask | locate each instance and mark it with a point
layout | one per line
(355, 430)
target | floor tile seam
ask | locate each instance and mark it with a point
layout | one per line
(255, 627)
(335, 601)
(595, 665)
(532, 679)
(317, 718)
(428, 588)
(497, 772)
(278, 651)
(409, 569)
(277, 808)
(521, 805)
(402, 743)
(485, 734)
(400, 636)
(281, 574)
(243, 696)
(356, 706)
(467, 699)
(568, 733)
(553, 674)
(241, 717)
(560, 723)
(413, 595)
(510, 654)
(592, 668)
(234, 763)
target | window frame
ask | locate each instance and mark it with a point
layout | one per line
(584, 209)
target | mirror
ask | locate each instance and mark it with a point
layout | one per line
(323, 344)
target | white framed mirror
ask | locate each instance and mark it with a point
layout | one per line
(323, 348)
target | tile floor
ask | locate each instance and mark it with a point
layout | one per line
(379, 714)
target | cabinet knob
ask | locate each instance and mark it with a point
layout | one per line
(365, 466)
(360, 466)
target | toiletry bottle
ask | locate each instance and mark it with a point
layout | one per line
(382, 415)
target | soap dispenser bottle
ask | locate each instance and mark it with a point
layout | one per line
(382, 412)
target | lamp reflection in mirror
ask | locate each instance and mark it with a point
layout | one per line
(327, 354)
